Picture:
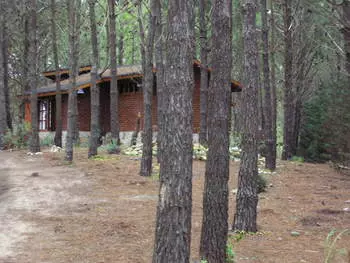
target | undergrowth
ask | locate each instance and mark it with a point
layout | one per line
(331, 250)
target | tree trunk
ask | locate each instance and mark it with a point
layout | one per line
(73, 73)
(58, 132)
(238, 62)
(159, 57)
(346, 35)
(76, 138)
(121, 46)
(137, 130)
(215, 197)
(95, 91)
(148, 82)
(203, 133)
(25, 84)
(33, 76)
(133, 49)
(288, 83)
(247, 195)
(2, 86)
(273, 87)
(6, 75)
(173, 226)
(108, 53)
(270, 161)
(114, 94)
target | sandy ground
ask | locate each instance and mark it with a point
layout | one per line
(102, 211)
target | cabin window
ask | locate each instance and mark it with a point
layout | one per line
(44, 115)
(128, 87)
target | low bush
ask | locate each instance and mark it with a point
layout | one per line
(19, 138)
(47, 141)
(113, 148)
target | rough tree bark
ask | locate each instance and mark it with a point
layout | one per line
(33, 76)
(203, 133)
(346, 34)
(137, 130)
(114, 93)
(121, 45)
(73, 9)
(173, 226)
(273, 85)
(247, 195)
(24, 60)
(2, 86)
(215, 197)
(159, 55)
(238, 62)
(58, 132)
(288, 83)
(270, 158)
(95, 91)
(148, 82)
(5, 50)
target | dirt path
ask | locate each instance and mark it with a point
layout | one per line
(102, 211)
(30, 188)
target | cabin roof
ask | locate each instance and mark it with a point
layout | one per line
(64, 72)
(84, 80)
(123, 72)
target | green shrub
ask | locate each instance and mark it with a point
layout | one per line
(297, 159)
(19, 138)
(113, 148)
(230, 254)
(331, 250)
(48, 140)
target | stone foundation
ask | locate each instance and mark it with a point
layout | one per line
(125, 137)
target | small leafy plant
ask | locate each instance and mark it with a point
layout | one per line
(47, 141)
(297, 159)
(113, 148)
(331, 250)
(230, 254)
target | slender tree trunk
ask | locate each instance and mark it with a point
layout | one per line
(273, 86)
(270, 162)
(108, 53)
(33, 76)
(346, 35)
(76, 138)
(25, 84)
(6, 75)
(215, 197)
(95, 91)
(2, 77)
(288, 83)
(133, 50)
(203, 133)
(58, 133)
(73, 9)
(247, 195)
(238, 62)
(261, 108)
(173, 227)
(148, 82)
(137, 130)
(121, 46)
(159, 57)
(114, 94)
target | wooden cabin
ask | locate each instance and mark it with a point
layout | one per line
(130, 99)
